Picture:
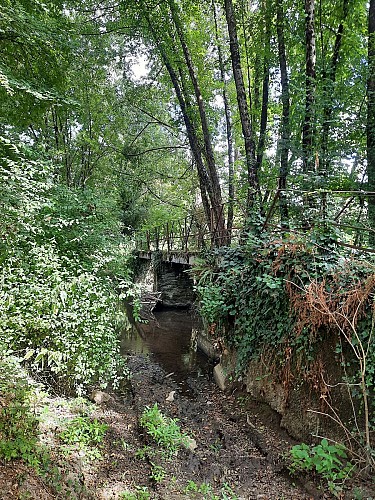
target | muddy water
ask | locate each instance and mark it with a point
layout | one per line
(170, 340)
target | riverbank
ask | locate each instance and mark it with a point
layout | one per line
(232, 454)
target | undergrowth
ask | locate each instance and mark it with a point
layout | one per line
(328, 461)
(18, 424)
(62, 257)
(165, 431)
(85, 435)
(280, 300)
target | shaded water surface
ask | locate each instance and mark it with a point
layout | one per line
(170, 340)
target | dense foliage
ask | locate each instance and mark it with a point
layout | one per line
(258, 120)
(18, 425)
(62, 251)
(287, 301)
(257, 294)
(57, 307)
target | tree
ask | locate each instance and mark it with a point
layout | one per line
(284, 141)
(308, 122)
(228, 127)
(215, 198)
(34, 58)
(371, 117)
(247, 131)
(329, 74)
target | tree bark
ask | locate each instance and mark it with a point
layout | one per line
(208, 149)
(308, 123)
(371, 118)
(265, 89)
(247, 132)
(207, 191)
(284, 141)
(248, 68)
(229, 135)
(329, 80)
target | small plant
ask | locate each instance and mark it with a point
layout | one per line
(242, 400)
(158, 473)
(84, 432)
(165, 431)
(141, 493)
(191, 487)
(143, 452)
(216, 446)
(226, 492)
(327, 460)
(203, 489)
(125, 446)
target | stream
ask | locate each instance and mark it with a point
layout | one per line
(235, 447)
(169, 339)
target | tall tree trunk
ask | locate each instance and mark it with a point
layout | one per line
(195, 148)
(371, 119)
(248, 68)
(252, 174)
(284, 141)
(308, 123)
(265, 88)
(329, 80)
(187, 109)
(208, 149)
(228, 124)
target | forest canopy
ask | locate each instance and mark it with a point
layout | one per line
(265, 108)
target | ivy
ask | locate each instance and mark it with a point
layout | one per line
(257, 295)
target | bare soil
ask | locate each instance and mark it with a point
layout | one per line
(240, 448)
(238, 453)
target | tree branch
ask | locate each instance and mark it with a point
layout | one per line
(161, 148)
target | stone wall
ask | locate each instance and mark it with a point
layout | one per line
(302, 407)
(170, 279)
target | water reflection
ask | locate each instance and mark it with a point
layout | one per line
(171, 340)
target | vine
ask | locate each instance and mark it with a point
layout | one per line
(281, 300)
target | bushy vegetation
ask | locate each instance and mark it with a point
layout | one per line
(283, 299)
(328, 461)
(60, 250)
(256, 294)
(164, 430)
(18, 424)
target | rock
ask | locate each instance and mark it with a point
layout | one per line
(190, 444)
(170, 396)
(220, 377)
(205, 345)
(100, 397)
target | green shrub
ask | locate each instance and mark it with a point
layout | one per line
(141, 493)
(157, 473)
(329, 461)
(196, 490)
(59, 248)
(84, 432)
(18, 424)
(64, 323)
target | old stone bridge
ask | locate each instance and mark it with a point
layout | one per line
(165, 279)
(166, 254)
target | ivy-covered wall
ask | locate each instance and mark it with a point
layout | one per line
(298, 313)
